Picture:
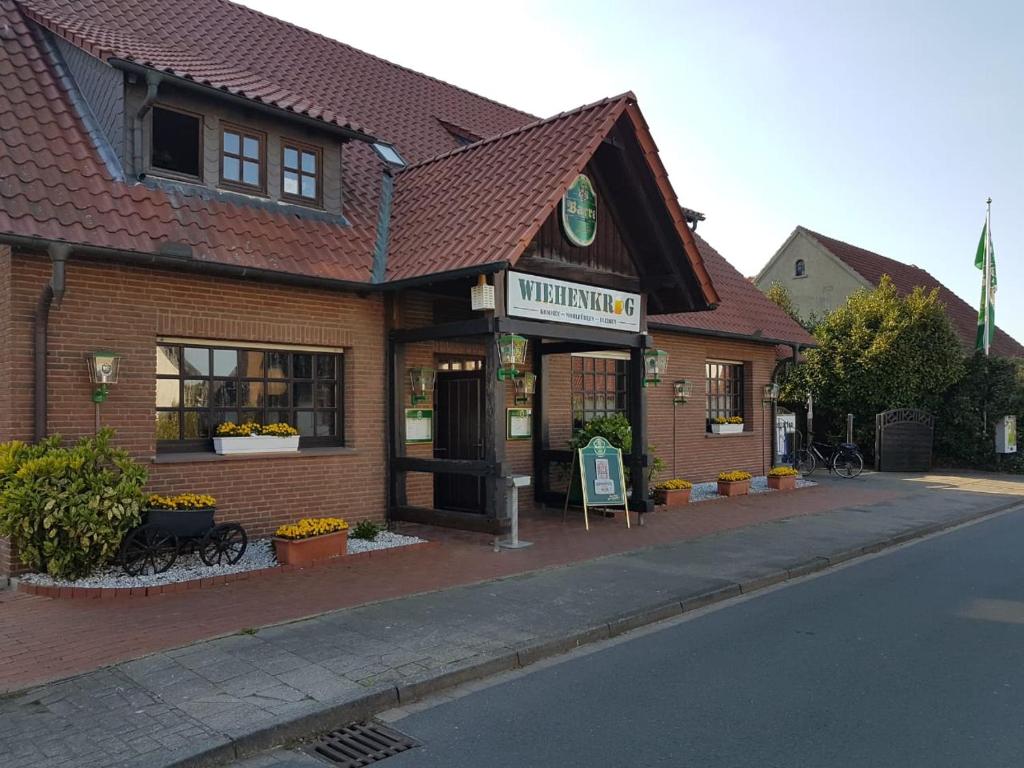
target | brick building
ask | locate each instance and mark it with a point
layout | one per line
(267, 224)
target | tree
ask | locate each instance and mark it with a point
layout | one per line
(779, 294)
(878, 351)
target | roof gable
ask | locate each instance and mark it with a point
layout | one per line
(871, 266)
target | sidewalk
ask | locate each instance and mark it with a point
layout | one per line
(242, 693)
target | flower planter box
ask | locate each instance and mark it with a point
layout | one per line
(726, 429)
(181, 522)
(733, 487)
(678, 497)
(786, 483)
(303, 552)
(258, 444)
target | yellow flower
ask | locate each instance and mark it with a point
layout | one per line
(734, 476)
(309, 527)
(676, 484)
(782, 472)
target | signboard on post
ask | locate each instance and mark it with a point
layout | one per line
(1006, 435)
(602, 476)
(561, 301)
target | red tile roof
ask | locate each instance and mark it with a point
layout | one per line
(743, 311)
(871, 266)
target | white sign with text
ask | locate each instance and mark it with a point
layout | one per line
(545, 298)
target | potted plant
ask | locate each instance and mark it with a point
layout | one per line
(782, 478)
(673, 493)
(250, 437)
(311, 539)
(734, 483)
(181, 513)
(727, 425)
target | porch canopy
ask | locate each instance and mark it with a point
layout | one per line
(493, 208)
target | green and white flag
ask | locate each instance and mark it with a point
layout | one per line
(985, 260)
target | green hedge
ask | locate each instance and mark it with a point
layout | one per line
(66, 509)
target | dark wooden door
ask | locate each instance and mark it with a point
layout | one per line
(459, 412)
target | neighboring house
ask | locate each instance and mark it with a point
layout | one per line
(268, 224)
(820, 273)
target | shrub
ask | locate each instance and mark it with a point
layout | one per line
(782, 472)
(67, 509)
(614, 428)
(365, 529)
(676, 484)
(181, 501)
(309, 527)
(734, 476)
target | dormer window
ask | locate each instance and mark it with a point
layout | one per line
(799, 269)
(243, 159)
(176, 141)
(300, 173)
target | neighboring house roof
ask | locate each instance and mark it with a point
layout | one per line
(871, 266)
(743, 310)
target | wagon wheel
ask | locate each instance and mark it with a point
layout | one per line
(223, 544)
(147, 550)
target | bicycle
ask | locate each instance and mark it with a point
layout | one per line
(844, 459)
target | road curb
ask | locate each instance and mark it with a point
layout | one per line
(382, 699)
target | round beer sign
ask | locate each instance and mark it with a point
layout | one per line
(579, 212)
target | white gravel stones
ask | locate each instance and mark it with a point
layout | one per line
(259, 554)
(706, 491)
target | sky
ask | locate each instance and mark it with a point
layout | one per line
(884, 124)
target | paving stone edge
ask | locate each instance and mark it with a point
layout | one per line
(382, 699)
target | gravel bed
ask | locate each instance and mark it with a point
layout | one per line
(707, 491)
(259, 554)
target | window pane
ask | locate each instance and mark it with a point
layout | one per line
(196, 394)
(309, 162)
(277, 365)
(325, 368)
(277, 417)
(195, 425)
(223, 417)
(175, 142)
(167, 425)
(168, 360)
(304, 423)
(291, 183)
(303, 395)
(309, 187)
(250, 394)
(231, 142)
(231, 169)
(291, 158)
(253, 416)
(225, 362)
(225, 393)
(250, 173)
(197, 361)
(251, 365)
(167, 392)
(277, 394)
(325, 394)
(251, 148)
(303, 366)
(325, 423)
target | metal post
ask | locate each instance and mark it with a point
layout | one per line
(512, 503)
(849, 427)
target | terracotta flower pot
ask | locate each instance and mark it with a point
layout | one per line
(677, 497)
(784, 483)
(303, 552)
(733, 487)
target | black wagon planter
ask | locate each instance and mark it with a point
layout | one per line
(154, 546)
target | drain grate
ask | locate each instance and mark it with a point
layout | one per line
(360, 744)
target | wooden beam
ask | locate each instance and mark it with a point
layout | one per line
(540, 474)
(638, 421)
(475, 327)
(444, 518)
(575, 273)
(445, 466)
(494, 429)
(608, 339)
(395, 387)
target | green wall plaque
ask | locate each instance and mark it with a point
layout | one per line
(579, 212)
(419, 425)
(518, 423)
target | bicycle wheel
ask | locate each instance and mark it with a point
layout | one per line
(805, 462)
(849, 464)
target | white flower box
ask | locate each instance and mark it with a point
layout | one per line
(255, 444)
(726, 429)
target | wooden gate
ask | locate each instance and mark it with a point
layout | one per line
(903, 440)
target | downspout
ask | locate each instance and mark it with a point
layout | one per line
(153, 80)
(380, 248)
(52, 292)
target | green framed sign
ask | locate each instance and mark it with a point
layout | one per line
(579, 212)
(518, 423)
(602, 476)
(419, 425)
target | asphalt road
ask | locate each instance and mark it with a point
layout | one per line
(913, 658)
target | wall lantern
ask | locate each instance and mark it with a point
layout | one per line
(681, 390)
(511, 355)
(655, 365)
(771, 393)
(421, 381)
(526, 385)
(481, 295)
(103, 368)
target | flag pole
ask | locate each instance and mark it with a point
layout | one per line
(988, 260)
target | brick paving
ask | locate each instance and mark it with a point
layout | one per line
(178, 702)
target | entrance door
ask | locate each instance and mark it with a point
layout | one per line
(459, 405)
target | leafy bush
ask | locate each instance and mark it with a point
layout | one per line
(67, 509)
(614, 428)
(365, 529)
